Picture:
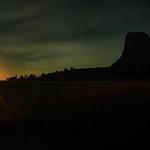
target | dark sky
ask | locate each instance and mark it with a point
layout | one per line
(46, 35)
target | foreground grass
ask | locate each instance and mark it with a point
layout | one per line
(86, 115)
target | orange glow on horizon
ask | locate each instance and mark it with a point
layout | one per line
(3, 70)
(2, 76)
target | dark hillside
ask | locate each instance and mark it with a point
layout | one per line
(75, 115)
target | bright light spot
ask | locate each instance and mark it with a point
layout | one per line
(3, 72)
(2, 76)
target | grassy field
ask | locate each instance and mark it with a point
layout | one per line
(75, 115)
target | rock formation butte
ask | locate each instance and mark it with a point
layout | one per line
(135, 58)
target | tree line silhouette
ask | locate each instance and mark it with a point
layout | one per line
(85, 74)
(70, 74)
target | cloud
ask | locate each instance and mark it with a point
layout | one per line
(41, 21)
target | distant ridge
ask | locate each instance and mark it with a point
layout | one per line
(134, 64)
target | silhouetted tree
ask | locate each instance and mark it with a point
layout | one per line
(12, 78)
(32, 77)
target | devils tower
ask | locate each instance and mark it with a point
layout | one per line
(135, 59)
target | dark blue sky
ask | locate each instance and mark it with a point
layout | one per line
(46, 35)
